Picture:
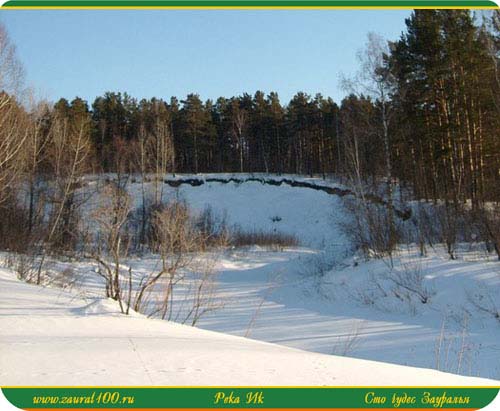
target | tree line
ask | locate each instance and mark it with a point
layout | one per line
(423, 112)
(238, 134)
(439, 110)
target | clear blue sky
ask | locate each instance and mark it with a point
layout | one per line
(213, 52)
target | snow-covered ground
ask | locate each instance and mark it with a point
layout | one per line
(50, 337)
(318, 297)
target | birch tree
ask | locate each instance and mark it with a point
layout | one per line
(13, 126)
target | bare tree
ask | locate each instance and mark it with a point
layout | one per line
(238, 129)
(111, 217)
(11, 70)
(373, 81)
(162, 151)
(68, 151)
(13, 135)
(36, 144)
(143, 164)
(154, 154)
(489, 219)
(376, 81)
(13, 132)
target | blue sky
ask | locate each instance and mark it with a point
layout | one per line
(174, 52)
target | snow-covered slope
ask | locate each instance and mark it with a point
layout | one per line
(317, 297)
(308, 214)
(50, 337)
(314, 298)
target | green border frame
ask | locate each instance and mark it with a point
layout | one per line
(250, 397)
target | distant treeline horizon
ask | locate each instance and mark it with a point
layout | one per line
(424, 109)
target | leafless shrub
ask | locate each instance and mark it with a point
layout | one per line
(453, 349)
(405, 282)
(271, 239)
(202, 293)
(369, 228)
(409, 280)
(174, 239)
(212, 226)
(67, 235)
(453, 225)
(372, 293)
(65, 279)
(112, 240)
(14, 227)
(273, 282)
(449, 222)
(316, 267)
(488, 218)
(319, 265)
(26, 267)
(9, 260)
(485, 300)
(347, 343)
(424, 226)
(140, 223)
(174, 235)
(254, 317)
